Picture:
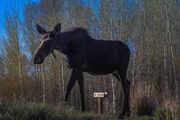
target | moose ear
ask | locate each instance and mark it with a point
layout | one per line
(40, 29)
(57, 28)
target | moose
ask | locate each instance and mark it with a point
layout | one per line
(86, 54)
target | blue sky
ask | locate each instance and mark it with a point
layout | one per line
(94, 4)
(8, 7)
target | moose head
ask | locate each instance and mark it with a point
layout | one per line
(47, 42)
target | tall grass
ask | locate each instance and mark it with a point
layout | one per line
(34, 111)
(40, 111)
(146, 101)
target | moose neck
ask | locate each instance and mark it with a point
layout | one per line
(62, 42)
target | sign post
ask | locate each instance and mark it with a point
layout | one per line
(100, 101)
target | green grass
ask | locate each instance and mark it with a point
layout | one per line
(141, 118)
(34, 111)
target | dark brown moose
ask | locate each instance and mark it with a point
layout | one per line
(85, 54)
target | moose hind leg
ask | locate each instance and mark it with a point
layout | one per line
(117, 75)
(128, 95)
(126, 87)
(81, 88)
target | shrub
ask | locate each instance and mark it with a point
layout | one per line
(7, 116)
(178, 114)
(35, 111)
(163, 114)
(146, 106)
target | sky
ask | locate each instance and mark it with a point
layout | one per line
(94, 4)
(8, 7)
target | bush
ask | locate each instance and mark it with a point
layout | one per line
(178, 114)
(7, 116)
(146, 106)
(11, 111)
(38, 112)
(34, 111)
(163, 114)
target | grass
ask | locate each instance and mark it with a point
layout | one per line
(141, 118)
(34, 111)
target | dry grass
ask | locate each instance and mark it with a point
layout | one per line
(145, 101)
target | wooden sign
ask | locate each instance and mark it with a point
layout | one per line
(100, 94)
(100, 101)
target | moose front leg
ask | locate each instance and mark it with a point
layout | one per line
(76, 75)
(81, 87)
(71, 83)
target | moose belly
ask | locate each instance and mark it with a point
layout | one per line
(96, 73)
(99, 69)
